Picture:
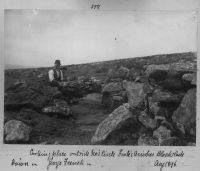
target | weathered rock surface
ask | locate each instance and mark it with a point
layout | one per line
(147, 141)
(191, 78)
(59, 107)
(169, 76)
(112, 87)
(171, 141)
(121, 118)
(147, 121)
(135, 93)
(112, 94)
(162, 133)
(157, 110)
(186, 112)
(166, 96)
(121, 72)
(34, 95)
(172, 68)
(16, 131)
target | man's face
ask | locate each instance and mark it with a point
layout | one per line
(57, 66)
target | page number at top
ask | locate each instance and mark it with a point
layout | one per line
(95, 6)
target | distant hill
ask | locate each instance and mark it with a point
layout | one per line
(10, 66)
(99, 70)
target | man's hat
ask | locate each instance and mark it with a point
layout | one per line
(57, 62)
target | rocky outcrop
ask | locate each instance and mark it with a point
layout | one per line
(169, 76)
(172, 69)
(171, 141)
(112, 87)
(16, 131)
(146, 140)
(186, 112)
(113, 94)
(135, 93)
(121, 72)
(147, 121)
(119, 121)
(153, 101)
(166, 96)
(162, 133)
(191, 78)
(35, 95)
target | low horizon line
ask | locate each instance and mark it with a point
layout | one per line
(32, 67)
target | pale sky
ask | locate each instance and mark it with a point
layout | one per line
(38, 37)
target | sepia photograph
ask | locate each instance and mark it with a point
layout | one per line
(75, 77)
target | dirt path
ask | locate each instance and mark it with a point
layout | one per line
(79, 129)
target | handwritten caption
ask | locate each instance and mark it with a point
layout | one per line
(56, 158)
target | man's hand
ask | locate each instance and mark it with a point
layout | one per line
(63, 84)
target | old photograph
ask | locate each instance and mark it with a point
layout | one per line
(105, 78)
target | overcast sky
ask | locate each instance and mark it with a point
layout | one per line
(38, 37)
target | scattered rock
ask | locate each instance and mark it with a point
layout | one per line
(117, 98)
(57, 110)
(59, 107)
(31, 96)
(120, 119)
(112, 87)
(147, 121)
(162, 133)
(112, 94)
(107, 100)
(186, 112)
(121, 72)
(135, 93)
(171, 141)
(166, 96)
(158, 110)
(40, 76)
(147, 141)
(168, 125)
(16, 85)
(191, 78)
(159, 118)
(193, 132)
(16, 131)
(180, 127)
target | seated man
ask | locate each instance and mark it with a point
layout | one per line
(69, 89)
(55, 74)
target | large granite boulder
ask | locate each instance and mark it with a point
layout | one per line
(147, 121)
(174, 69)
(164, 96)
(157, 110)
(186, 112)
(169, 76)
(120, 72)
(112, 87)
(112, 94)
(135, 93)
(16, 131)
(120, 121)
